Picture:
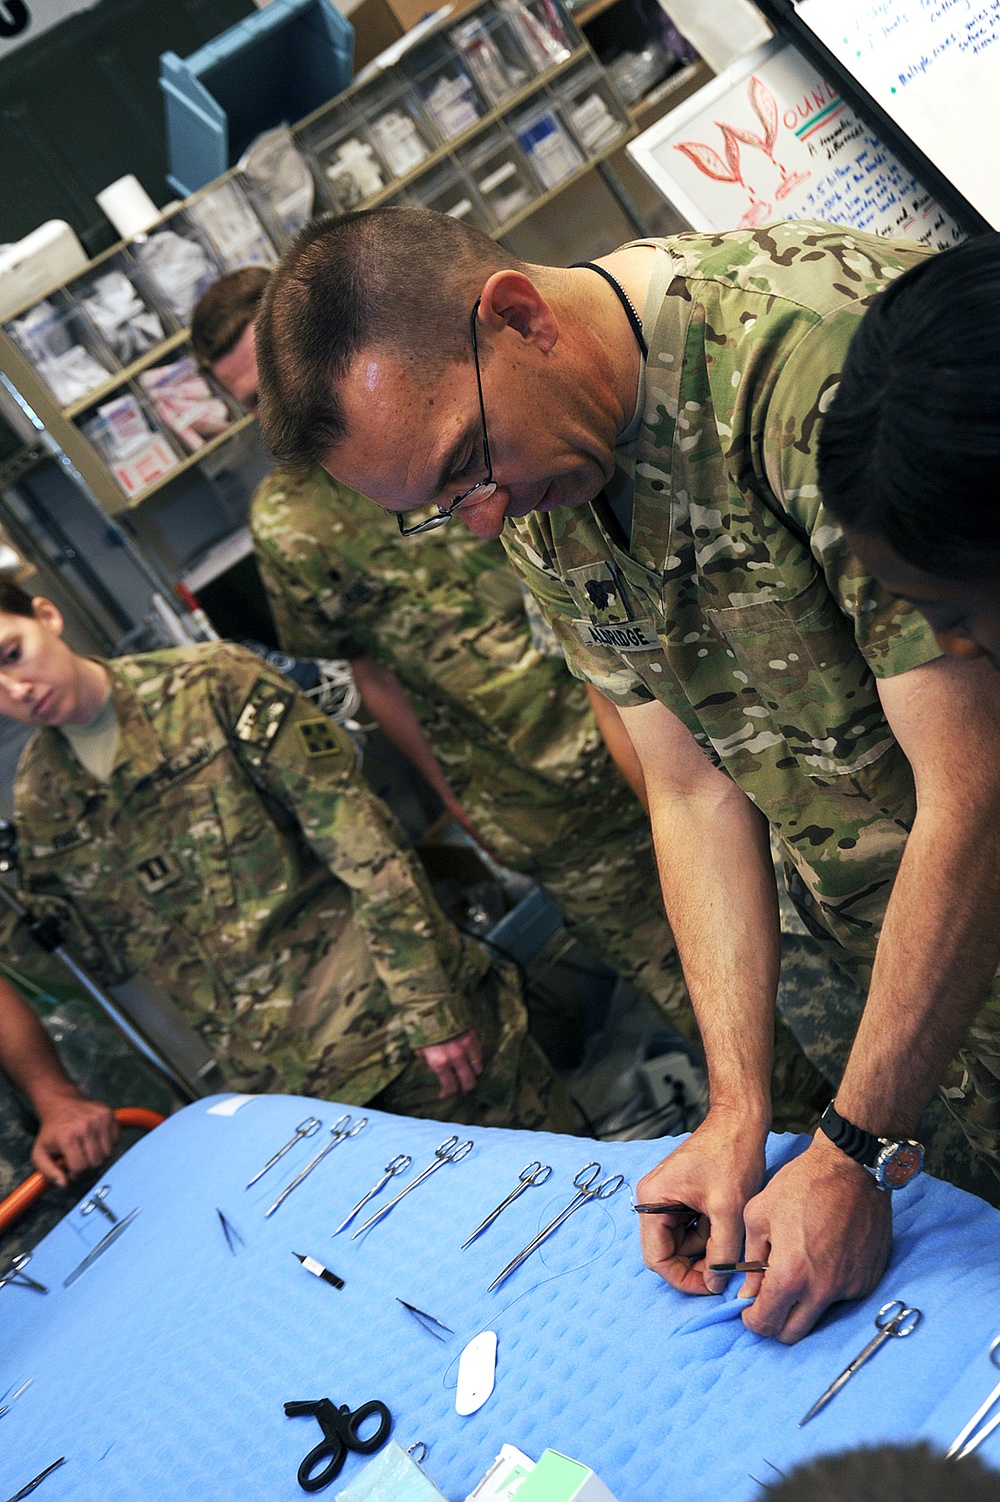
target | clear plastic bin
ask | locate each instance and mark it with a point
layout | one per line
(347, 163)
(503, 179)
(59, 340)
(186, 402)
(398, 127)
(448, 191)
(492, 53)
(544, 29)
(130, 441)
(117, 304)
(548, 146)
(450, 99)
(279, 183)
(591, 108)
(226, 219)
(177, 264)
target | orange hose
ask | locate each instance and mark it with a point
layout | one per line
(35, 1185)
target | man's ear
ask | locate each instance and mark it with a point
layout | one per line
(510, 299)
(49, 614)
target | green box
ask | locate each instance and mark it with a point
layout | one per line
(556, 1478)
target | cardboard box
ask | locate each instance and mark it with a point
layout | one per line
(556, 1478)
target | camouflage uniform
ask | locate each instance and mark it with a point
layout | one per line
(737, 603)
(236, 858)
(512, 730)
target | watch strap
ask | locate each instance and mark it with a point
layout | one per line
(862, 1146)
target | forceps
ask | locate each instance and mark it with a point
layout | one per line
(15, 1274)
(448, 1151)
(399, 1164)
(341, 1128)
(96, 1202)
(306, 1128)
(584, 1181)
(892, 1319)
(971, 1436)
(531, 1173)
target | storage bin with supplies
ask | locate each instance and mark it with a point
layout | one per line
(450, 99)
(488, 44)
(346, 161)
(448, 191)
(277, 179)
(119, 307)
(130, 441)
(177, 263)
(226, 219)
(590, 107)
(545, 30)
(547, 144)
(401, 133)
(59, 340)
(495, 164)
(184, 400)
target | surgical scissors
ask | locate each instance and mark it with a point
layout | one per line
(584, 1181)
(448, 1151)
(96, 1202)
(399, 1164)
(307, 1127)
(531, 1173)
(338, 1132)
(892, 1319)
(972, 1436)
(15, 1275)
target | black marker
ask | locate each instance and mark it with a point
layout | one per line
(318, 1270)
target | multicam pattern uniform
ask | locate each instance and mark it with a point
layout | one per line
(512, 730)
(737, 603)
(236, 858)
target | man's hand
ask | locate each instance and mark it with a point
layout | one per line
(457, 811)
(715, 1171)
(74, 1134)
(825, 1230)
(458, 1063)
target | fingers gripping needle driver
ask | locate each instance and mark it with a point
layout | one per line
(448, 1151)
(306, 1128)
(531, 1173)
(399, 1164)
(892, 1319)
(980, 1426)
(340, 1130)
(589, 1189)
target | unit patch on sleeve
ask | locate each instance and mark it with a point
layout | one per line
(317, 737)
(260, 719)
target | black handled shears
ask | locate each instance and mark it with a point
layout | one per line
(340, 1433)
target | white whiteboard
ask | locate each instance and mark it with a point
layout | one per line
(770, 139)
(934, 67)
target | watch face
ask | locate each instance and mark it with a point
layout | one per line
(898, 1163)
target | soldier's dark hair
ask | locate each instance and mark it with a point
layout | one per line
(909, 450)
(223, 312)
(399, 280)
(888, 1473)
(14, 600)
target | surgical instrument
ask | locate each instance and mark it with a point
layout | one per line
(737, 1267)
(27, 1490)
(101, 1247)
(584, 1181)
(672, 1207)
(531, 1173)
(399, 1164)
(341, 1128)
(230, 1232)
(448, 1151)
(319, 1271)
(96, 1202)
(892, 1319)
(425, 1320)
(308, 1127)
(13, 1397)
(341, 1432)
(15, 1274)
(972, 1436)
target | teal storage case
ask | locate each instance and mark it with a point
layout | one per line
(275, 66)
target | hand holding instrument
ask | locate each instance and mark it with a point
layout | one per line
(448, 1151)
(96, 1202)
(308, 1127)
(399, 1164)
(106, 1240)
(972, 1436)
(737, 1267)
(892, 1319)
(340, 1433)
(531, 1173)
(585, 1182)
(340, 1130)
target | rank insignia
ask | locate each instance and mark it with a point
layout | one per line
(157, 871)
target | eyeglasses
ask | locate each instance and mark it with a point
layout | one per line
(485, 487)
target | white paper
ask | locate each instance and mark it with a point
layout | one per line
(229, 1106)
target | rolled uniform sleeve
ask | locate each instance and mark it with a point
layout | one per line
(309, 764)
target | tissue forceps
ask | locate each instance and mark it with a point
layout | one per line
(308, 1127)
(584, 1181)
(531, 1173)
(341, 1128)
(972, 1435)
(399, 1164)
(448, 1151)
(892, 1319)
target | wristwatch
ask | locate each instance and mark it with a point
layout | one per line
(892, 1162)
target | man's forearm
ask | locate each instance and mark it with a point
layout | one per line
(939, 948)
(384, 697)
(27, 1056)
